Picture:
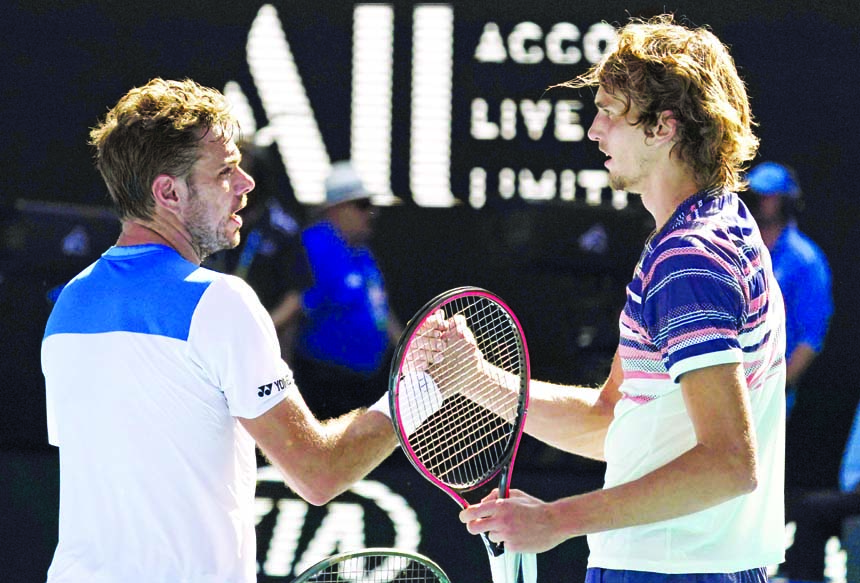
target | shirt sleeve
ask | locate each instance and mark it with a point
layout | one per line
(694, 307)
(233, 340)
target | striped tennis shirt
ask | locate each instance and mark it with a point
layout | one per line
(703, 294)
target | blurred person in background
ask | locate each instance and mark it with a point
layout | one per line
(803, 274)
(800, 267)
(348, 330)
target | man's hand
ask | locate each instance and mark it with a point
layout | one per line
(522, 522)
(427, 346)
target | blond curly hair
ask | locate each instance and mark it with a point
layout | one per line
(659, 65)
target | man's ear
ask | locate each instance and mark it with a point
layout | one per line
(666, 128)
(164, 191)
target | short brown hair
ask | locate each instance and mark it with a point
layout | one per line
(155, 129)
(660, 65)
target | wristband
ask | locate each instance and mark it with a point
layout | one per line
(382, 406)
(419, 398)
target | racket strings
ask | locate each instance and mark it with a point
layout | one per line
(377, 569)
(485, 393)
(459, 456)
(463, 443)
(493, 331)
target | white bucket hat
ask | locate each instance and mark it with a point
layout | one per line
(344, 185)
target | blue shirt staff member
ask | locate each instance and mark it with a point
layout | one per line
(803, 274)
(800, 267)
(348, 330)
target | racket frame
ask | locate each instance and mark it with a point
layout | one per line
(505, 465)
(378, 552)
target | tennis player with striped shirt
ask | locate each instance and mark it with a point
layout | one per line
(691, 420)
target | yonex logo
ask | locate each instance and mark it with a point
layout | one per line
(278, 385)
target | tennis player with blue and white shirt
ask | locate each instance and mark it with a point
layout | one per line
(161, 375)
(691, 421)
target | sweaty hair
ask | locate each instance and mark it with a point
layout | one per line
(155, 129)
(659, 65)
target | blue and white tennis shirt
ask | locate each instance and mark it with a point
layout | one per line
(702, 294)
(148, 361)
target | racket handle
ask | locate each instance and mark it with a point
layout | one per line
(500, 569)
(510, 567)
(529, 567)
(513, 562)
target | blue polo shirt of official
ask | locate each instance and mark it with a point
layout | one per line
(803, 273)
(346, 309)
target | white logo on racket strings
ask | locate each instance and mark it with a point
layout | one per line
(420, 391)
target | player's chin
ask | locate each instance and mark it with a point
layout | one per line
(233, 242)
(227, 241)
(232, 236)
(618, 182)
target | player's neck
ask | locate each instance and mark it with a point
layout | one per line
(136, 232)
(667, 189)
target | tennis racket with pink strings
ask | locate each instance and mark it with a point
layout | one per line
(458, 394)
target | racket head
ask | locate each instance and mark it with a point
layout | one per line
(470, 441)
(374, 565)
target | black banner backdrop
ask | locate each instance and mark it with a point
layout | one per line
(447, 107)
(393, 506)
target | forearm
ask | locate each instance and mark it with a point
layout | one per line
(575, 419)
(319, 460)
(356, 443)
(720, 466)
(697, 480)
(572, 419)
